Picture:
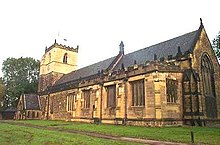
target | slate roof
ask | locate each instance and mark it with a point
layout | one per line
(10, 109)
(186, 43)
(86, 71)
(163, 49)
(32, 102)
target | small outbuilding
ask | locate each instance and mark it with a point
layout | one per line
(28, 107)
(8, 113)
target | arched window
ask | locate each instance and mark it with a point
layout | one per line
(65, 58)
(208, 83)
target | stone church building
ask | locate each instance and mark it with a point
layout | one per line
(174, 82)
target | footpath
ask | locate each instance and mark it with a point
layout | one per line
(98, 135)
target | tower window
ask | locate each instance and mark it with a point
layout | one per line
(65, 58)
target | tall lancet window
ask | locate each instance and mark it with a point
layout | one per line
(65, 58)
(208, 83)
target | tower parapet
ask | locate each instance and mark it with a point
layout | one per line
(61, 46)
(57, 60)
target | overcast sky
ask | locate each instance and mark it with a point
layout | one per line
(98, 26)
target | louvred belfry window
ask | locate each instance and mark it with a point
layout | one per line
(65, 58)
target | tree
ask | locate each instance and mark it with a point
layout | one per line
(19, 76)
(2, 93)
(216, 45)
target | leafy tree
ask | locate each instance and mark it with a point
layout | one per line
(2, 93)
(216, 45)
(19, 76)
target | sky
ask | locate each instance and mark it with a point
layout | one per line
(98, 26)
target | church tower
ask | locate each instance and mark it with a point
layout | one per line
(58, 60)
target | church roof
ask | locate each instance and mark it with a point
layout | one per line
(86, 71)
(163, 49)
(31, 102)
(185, 43)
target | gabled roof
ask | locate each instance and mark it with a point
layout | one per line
(164, 49)
(31, 102)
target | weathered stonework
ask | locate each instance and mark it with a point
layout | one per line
(68, 100)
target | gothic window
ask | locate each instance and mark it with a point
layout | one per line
(71, 102)
(208, 86)
(111, 96)
(86, 99)
(171, 86)
(208, 76)
(138, 95)
(65, 58)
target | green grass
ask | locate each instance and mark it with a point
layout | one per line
(19, 135)
(176, 134)
(202, 135)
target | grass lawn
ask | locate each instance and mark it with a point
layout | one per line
(19, 135)
(202, 135)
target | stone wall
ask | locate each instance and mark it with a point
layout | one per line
(156, 110)
(203, 46)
